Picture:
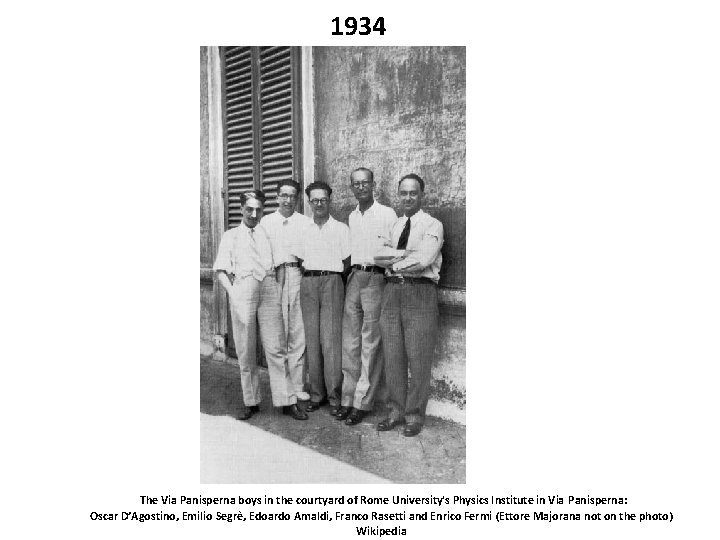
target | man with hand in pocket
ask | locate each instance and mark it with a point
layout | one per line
(244, 267)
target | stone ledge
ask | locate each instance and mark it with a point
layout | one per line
(451, 301)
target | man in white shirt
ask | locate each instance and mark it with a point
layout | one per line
(285, 227)
(409, 318)
(362, 361)
(244, 267)
(325, 253)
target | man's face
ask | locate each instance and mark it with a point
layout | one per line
(410, 196)
(362, 186)
(320, 203)
(287, 197)
(252, 212)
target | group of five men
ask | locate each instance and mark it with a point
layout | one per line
(354, 301)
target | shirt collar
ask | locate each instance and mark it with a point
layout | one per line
(248, 230)
(328, 222)
(283, 218)
(370, 210)
(415, 217)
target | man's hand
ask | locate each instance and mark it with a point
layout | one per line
(225, 281)
(280, 275)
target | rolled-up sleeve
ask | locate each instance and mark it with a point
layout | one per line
(427, 251)
(223, 261)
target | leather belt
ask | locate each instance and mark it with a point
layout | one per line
(369, 268)
(313, 273)
(290, 265)
(412, 280)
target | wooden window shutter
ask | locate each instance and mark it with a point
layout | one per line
(262, 123)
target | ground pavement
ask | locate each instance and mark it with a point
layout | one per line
(319, 450)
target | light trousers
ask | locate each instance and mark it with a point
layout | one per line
(251, 303)
(409, 325)
(322, 298)
(362, 359)
(289, 279)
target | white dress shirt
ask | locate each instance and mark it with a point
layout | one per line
(423, 248)
(324, 248)
(285, 235)
(369, 231)
(232, 253)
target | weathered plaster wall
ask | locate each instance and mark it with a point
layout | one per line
(396, 110)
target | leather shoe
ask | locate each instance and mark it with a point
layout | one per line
(313, 406)
(334, 410)
(355, 417)
(296, 412)
(343, 413)
(412, 429)
(247, 412)
(387, 424)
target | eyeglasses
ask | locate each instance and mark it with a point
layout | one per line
(287, 197)
(316, 202)
(363, 184)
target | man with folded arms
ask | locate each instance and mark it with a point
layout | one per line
(244, 267)
(362, 361)
(285, 227)
(325, 253)
(409, 318)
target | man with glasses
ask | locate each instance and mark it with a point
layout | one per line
(325, 253)
(284, 227)
(409, 318)
(371, 224)
(244, 267)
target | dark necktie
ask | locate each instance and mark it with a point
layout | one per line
(404, 235)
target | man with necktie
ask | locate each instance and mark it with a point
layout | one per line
(409, 317)
(244, 267)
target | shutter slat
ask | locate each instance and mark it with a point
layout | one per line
(273, 138)
(270, 52)
(283, 76)
(285, 92)
(274, 126)
(279, 69)
(240, 157)
(283, 103)
(275, 87)
(271, 156)
(237, 52)
(275, 163)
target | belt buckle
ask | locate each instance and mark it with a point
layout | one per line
(401, 278)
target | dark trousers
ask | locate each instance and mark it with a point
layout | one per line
(409, 326)
(321, 300)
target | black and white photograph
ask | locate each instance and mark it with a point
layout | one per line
(332, 264)
(458, 270)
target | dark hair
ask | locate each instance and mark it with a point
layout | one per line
(318, 185)
(291, 183)
(413, 176)
(363, 169)
(252, 194)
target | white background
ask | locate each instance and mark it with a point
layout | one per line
(593, 296)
